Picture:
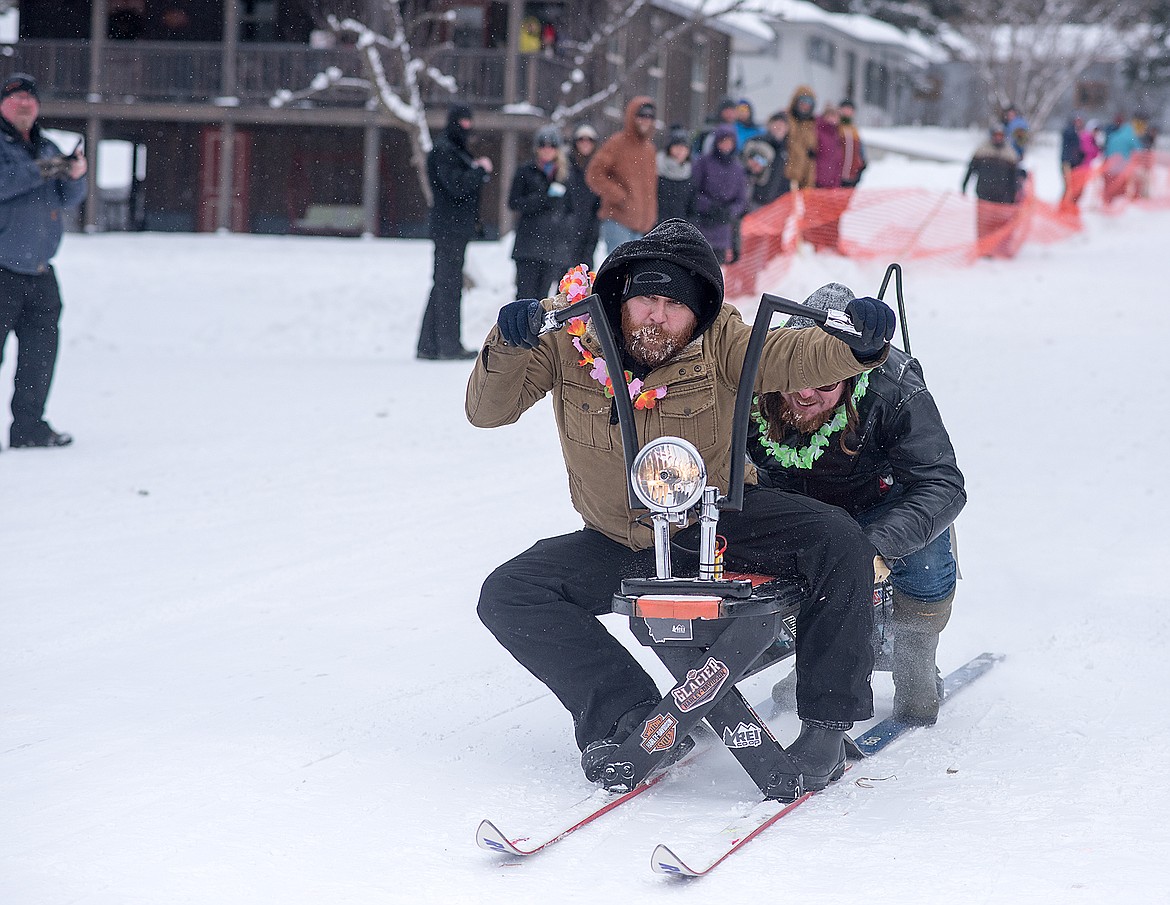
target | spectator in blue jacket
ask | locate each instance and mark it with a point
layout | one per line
(37, 184)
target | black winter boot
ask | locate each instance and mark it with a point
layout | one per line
(917, 683)
(819, 752)
(595, 759)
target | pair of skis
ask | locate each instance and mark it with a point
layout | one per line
(731, 838)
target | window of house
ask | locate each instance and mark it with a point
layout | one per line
(820, 50)
(468, 26)
(615, 57)
(700, 62)
(1092, 95)
(655, 73)
(656, 65)
(258, 20)
(877, 84)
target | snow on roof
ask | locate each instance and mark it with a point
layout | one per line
(737, 24)
(751, 24)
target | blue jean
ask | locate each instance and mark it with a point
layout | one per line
(614, 234)
(927, 575)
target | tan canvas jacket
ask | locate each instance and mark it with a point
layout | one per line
(698, 406)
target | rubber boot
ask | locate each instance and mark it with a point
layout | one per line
(819, 752)
(917, 684)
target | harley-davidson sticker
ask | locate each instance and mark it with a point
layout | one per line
(659, 732)
(701, 685)
(746, 735)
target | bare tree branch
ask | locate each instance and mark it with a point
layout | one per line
(402, 100)
(1031, 52)
(620, 15)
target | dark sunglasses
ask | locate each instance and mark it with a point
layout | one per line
(829, 388)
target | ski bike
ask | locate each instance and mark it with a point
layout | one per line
(714, 629)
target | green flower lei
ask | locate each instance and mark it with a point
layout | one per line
(804, 458)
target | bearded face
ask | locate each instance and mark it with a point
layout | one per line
(655, 328)
(809, 409)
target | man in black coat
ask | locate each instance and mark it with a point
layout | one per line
(996, 168)
(456, 181)
(875, 445)
(998, 178)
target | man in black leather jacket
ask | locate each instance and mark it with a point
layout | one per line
(875, 445)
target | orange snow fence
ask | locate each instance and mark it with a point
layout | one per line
(954, 229)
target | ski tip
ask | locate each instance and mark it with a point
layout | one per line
(664, 861)
(488, 837)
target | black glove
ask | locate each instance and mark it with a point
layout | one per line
(519, 323)
(874, 320)
(54, 167)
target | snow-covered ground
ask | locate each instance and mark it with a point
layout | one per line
(240, 661)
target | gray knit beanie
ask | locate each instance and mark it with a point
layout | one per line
(830, 297)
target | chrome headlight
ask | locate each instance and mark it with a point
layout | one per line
(669, 475)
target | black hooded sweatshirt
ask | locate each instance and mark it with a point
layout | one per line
(676, 241)
(456, 183)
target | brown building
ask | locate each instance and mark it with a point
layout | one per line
(191, 83)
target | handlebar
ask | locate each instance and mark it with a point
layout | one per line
(831, 318)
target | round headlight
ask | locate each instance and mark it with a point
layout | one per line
(669, 475)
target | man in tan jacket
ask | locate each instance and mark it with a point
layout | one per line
(624, 175)
(663, 296)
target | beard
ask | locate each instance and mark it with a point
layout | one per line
(650, 345)
(802, 423)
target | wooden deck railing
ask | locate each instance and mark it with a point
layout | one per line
(187, 72)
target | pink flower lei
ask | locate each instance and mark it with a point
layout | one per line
(575, 285)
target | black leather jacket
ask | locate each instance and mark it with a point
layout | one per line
(903, 450)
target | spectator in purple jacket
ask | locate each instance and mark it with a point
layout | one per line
(721, 193)
(830, 149)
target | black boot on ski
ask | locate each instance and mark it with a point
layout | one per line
(819, 752)
(917, 683)
(596, 758)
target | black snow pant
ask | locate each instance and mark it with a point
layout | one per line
(30, 307)
(442, 325)
(542, 606)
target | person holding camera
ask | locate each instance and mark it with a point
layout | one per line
(37, 184)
